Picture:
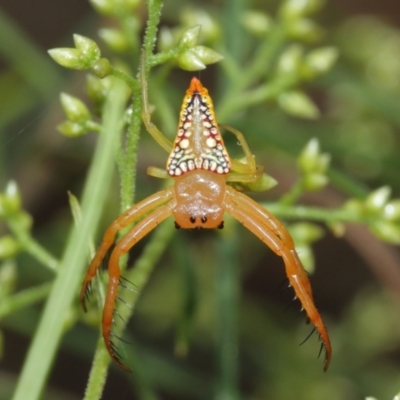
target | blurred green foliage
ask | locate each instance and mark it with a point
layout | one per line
(317, 100)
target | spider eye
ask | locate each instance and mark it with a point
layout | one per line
(192, 219)
(203, 219)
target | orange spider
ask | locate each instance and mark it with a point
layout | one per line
(201, 168)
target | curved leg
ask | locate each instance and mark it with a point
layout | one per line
(277, 239)
(249, 167)
(158, 173)
(253, 208)
(146, 115)
(129, 216)
(140, 230)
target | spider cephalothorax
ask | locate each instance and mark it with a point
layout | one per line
(201, 194)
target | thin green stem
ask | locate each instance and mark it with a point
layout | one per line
(23, 298)
(128, 160)
(163, 57)
(132, 83)
(293, 195)
(98, 372)
(235, 99)
(31, 246)
(154, 7)
(51, 327)
(228, 293)
(316, 213)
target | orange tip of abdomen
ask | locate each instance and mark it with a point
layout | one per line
(196, 86)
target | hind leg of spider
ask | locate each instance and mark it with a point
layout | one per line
(129, 216)
(277, 241)
(140, 230)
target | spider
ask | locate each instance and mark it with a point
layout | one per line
(202, 193)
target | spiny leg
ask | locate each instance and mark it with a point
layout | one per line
(140, 230)
(123, 220)
(294, 269)
(157, 135)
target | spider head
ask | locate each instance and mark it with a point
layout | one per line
(198, 215)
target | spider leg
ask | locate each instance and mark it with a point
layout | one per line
(267, 228)
(249, 167)
(141, 229)
(129, 216)
(157, 135)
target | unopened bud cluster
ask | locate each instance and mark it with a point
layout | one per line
(85, 55)
(11, 211)
(313, 166)
(381, 213)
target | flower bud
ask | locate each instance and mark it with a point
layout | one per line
(376, 201)
(298, 104)
(9, 247)
(290, 60)
(256, 22)
(314, 181)
(386, 231)
(266, 182)
(292, 9)
(105, 7)
(101, 68)
(85, 54)
(207, 55)
(319, 62)
(74, 108)
(114, 7)
(306, 232)
(189, 61)
(391, 210)
(89, 51)
(66, 57)
(72, 129)
(115, 39)
(10, 200)
(97, 88)
(210, 30)
(308, 158)
(304, 29)
(189, 37)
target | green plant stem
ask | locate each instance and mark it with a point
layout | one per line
(31, 246)
(132, 83)
(128, 159)
(293, 194)
(315, 213)
(154, 7)
(235, 98)
(48, 335)
(227, 282)
(23, 298)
